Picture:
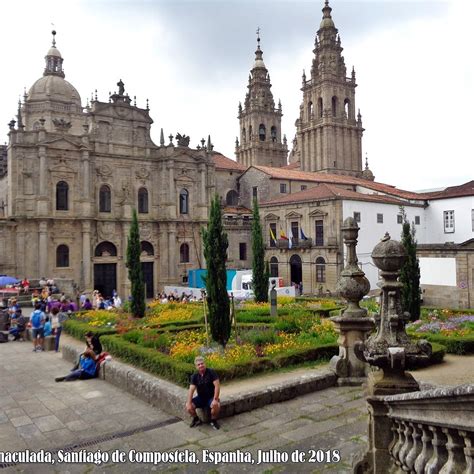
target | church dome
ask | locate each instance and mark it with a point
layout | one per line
(53, 51)
(54, 88)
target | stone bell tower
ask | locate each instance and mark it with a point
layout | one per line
(329, 133)
(260, 122)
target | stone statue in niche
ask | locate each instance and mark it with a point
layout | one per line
(125, 194)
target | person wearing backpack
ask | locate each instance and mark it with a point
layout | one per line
(37, 328)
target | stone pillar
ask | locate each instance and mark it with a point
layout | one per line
(43, 249)
(86, 282)
(42, 202)
(202, 173)
(353, 325)
(172, 262)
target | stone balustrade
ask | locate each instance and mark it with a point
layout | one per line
(422, 432)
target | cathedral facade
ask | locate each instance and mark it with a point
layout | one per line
(73, 177)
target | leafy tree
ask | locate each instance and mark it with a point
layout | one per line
(135, 273)
(259, 271)
(410, 272)
(215, 253)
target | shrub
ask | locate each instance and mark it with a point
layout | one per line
(78, 329)
(259, 337)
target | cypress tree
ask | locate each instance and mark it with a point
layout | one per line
(135, 274)
(410, 272)
(259, 272)
(215, 252)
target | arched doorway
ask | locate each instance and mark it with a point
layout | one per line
(296, 269)
(105, 268)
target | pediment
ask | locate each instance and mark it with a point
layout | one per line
(62, 168)
(317, 213)
(183, 178)
(62, 143)
(271, 217)
(293, 215)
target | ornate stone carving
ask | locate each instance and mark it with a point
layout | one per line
(146, 230)
(390, 348)
(183, 140)
(61, 124)
(142, 174)
(104, 172)
(125, 194)
(106, 230)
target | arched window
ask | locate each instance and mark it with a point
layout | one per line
(106, 249)
(310, 110)
(320, 107)
(244, 135)
(62, 256)
(146, 249)
(142, 201)
(105, 199)
(62, 196)
(274, 267)
(347, 107)
(184, 253)
(334, 106)
(262, 132)
(320, 270)
(273, 133)
(184, 201)
(232, 198)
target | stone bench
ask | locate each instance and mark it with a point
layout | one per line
(48, 340)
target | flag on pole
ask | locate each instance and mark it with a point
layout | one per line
(282, 234)
(272, 235)
(303, 237)
(290, 238)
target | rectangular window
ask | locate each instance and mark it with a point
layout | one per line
(319, 227)
(304, 187)
(417, 220)
(448, 218)
(379, 218)
(242, 251)
(255, 192)
(357, 216)
(295, 230)
(282, 188)
(273, 235)
(399, 219)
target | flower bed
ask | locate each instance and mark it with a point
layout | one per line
(452, 329)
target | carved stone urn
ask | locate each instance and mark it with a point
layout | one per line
(353, 325)
(390, 348)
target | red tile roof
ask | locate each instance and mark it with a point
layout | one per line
(224, 163)
(236, 210)
(292, 166)
(285, 173)
(327, 191)
(466, 189)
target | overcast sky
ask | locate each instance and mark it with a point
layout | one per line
(413, 61)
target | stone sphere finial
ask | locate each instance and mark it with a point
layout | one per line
(389, 255)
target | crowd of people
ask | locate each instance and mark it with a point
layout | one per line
(173, 297)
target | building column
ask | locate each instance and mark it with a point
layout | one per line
(86, 282)
(202, 169)
(43, 249)
(42, 172)
(172, 262)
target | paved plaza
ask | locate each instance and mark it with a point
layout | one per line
(37, 413)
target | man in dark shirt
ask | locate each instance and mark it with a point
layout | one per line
(206, 382)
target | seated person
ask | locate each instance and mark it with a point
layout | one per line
(17, 330)
(86, 369)
(87, 304)
(48, 330)
(206, 382)
(93, 346)
(25, 284)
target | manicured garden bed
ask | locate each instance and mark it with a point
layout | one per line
(454, 329)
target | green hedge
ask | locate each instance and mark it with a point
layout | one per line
(78, 329)
(179, 372)
(149, 359)
(454, 345)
